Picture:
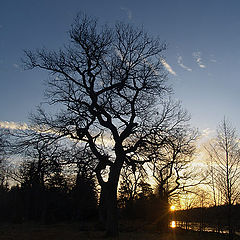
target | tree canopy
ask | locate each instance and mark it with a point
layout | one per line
(111, 88)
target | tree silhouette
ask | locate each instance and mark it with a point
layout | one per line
(170, 164)
(4, 144)
(224, 153)
(111, 86)
(130, 186)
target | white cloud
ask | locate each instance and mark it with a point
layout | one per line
(198, 58)
(180, 63)
(13, 125)
(168, 67)
(128, 12)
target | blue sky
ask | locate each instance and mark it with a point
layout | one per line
(203, 55)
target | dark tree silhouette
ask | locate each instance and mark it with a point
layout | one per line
(41, 167)
(54, 174)
(110, 84)
(170, 161)
(130, 184)
(4, 144)
(224, 153)
(42, 155)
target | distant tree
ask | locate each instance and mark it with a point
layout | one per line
(83, 192)
(224, 153)
(130, 184)
(4, 143)
(3, 176)
(41, 154)
(110, 84)
(170, 162)
(213, 181)
(146, 190)
(84, 198)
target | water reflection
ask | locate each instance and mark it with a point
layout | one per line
(196, 226)
(173, 224)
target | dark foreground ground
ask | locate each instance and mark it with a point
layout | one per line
(74, 231)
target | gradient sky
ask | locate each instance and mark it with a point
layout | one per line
(203, 55)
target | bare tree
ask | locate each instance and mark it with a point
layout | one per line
(41, 153)
(224, 152)
(4, 143)
(213, 180)
(130, 184)
(171, 161)
(110, 84)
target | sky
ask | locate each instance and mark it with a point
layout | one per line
(202, 56)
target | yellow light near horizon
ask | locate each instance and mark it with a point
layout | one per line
(173, 224)
(172, 208)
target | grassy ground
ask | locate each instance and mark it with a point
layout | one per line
(29, 231)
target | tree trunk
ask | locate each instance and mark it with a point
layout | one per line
(108, 212)
(163, 222)
(103, 207)
(230, 227)
(112, 215)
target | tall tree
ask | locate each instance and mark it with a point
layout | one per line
(170, 164)
(171, 161)
(224, 152)
(3, 153)
(110, 84)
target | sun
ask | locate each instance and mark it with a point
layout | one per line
(172, 208)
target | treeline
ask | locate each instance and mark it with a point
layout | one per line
(217, 217)
(47, 178)
(51, 181)
(54, 203)
(48, 204)
(44, 181)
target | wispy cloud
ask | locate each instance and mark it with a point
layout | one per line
(128, 12)
(180, 63)
(24, 126)
(212, 58)
(13, 125)
(168, 67)
(16, 66)
(198, 58)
